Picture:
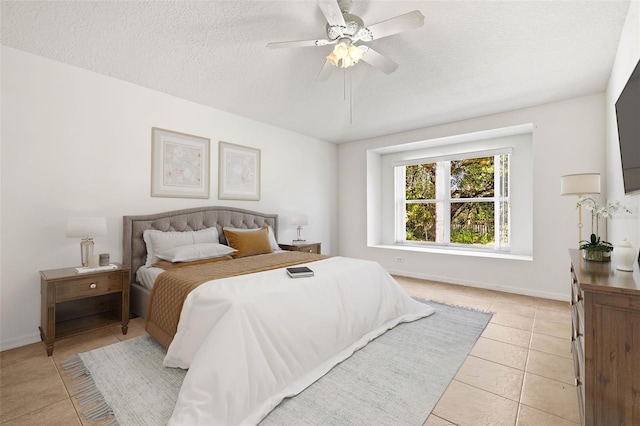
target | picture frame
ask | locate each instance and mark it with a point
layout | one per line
(179, 164)
(239, 172)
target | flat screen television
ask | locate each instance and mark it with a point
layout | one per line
(628, 116)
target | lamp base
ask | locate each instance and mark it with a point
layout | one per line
(86, 250)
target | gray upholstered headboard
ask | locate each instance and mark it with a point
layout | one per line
(134, 252)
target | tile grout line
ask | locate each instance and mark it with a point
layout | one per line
(526, 364)
(538, 375)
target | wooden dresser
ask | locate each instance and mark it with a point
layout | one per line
(605, 343)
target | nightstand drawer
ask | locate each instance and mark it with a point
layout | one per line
(305, 247)
(88, 286)
(311, 249)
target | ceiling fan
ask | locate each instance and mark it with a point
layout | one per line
(347, 31)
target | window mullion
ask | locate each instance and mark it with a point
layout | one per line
(401, 204)
(446, 201)
(505, 220)
(497, 196)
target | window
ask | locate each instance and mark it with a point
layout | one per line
(456, 201)
(510, 149)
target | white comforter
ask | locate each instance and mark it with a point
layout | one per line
(253, 340)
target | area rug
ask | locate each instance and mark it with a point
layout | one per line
(396, 379)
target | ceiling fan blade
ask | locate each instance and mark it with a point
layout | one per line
(377, 61)
(325, 71)
(408, 21)
(332, 12)
(299, 43)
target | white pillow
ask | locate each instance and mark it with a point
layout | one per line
(272, 237)
(195, 252)
(159, 241)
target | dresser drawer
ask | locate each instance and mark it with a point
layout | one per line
(580, 310)
(577, 348)
(577, 320)
(88, 286)
(576, 292)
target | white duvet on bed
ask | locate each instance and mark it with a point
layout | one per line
(251, 341)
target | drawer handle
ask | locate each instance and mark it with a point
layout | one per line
(93, 285)
(578, 381)
(310, 250)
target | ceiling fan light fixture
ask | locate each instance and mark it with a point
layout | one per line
(355, 53)
(344, 56)
(345, 30)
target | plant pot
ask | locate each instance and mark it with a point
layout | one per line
(596, 255)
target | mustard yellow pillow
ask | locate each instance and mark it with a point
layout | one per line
(249, 243)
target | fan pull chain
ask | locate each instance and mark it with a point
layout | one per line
(350, 98)
(344, 84)
(344, 92)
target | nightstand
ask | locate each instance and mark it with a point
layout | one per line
(73, 302)
(303, 246)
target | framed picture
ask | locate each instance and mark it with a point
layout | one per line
(179, 165)
(239, 172)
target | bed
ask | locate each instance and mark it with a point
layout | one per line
(253, 336)
(134, 251)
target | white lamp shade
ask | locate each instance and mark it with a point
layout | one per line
(580, 184)
(299, 220)
(86, 227)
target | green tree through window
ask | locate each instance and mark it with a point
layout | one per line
(420, 217)
(458, 201)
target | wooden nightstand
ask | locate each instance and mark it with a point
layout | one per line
(308, 247)
(72, 302)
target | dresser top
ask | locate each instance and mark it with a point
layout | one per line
(603, 276)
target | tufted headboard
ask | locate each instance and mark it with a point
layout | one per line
(134, 252)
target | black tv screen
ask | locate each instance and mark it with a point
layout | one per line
(628, 116)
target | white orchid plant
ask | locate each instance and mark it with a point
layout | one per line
(598, 212)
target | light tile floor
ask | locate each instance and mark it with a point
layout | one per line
(520, 371)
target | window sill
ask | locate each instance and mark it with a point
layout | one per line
(455, 251)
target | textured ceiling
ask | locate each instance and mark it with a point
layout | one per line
(470, 58)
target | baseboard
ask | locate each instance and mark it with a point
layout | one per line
(505, 289)
(16, 342)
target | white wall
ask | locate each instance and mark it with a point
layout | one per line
(78, 143)
(567, 138)
(622, 225)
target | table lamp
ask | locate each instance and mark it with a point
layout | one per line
(299, 220)
(580, 184)
(86, 228)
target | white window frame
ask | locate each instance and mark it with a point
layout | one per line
(443, 200)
